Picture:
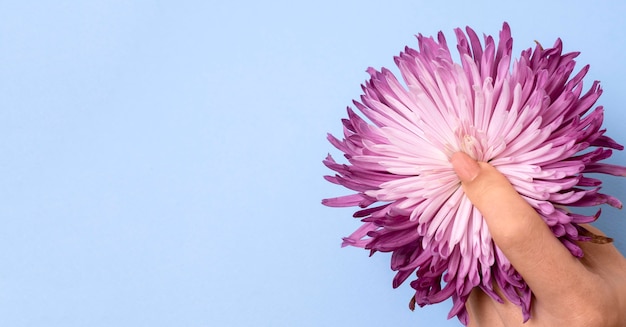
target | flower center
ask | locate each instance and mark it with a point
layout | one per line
(470, 140)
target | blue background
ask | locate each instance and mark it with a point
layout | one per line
(161, 161)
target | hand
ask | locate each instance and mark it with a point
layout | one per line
(567, 291)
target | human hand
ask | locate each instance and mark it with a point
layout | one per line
(571, 292)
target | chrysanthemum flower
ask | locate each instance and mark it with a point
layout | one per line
(528, 117)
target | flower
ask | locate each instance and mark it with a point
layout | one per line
(529, 118)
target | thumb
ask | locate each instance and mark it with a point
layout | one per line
(518, 230)
(508, 216)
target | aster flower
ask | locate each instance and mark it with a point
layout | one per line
(528, 117)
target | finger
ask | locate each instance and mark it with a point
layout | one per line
(544, 263)
(603, 259)
(483, 311)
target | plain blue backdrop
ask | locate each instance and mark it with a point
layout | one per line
(161, 160)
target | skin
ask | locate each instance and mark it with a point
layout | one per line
(567, 291)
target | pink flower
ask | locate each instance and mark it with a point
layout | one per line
(529, 118)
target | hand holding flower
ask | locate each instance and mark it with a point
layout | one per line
(531, 119)
(590, 291)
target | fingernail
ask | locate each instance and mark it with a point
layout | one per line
(465, 167)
